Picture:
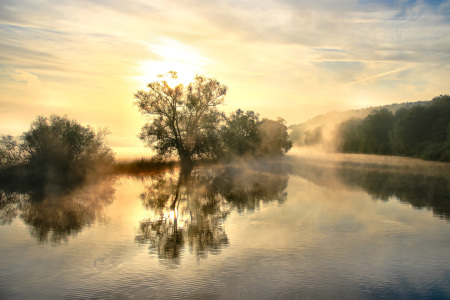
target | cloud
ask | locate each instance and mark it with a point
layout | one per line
(284, 58)
(373, 77)
(30, 79)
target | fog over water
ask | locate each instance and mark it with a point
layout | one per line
(420, 183)
(322, 226)
(146, 149)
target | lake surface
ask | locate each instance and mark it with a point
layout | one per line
(322, 227)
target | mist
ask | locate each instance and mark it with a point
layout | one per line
(422, 184)
(417, 130)
(224, 149)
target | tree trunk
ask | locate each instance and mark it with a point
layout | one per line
(187, 164)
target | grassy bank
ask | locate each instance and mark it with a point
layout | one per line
(143, 166)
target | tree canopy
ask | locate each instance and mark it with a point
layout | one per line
(186, 122)
(183, 120)
(245, 134)
(373, 132)
(56, 148)
(421, 131)
(240, 133)
(274, 138)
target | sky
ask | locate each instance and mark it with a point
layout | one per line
(290, 59)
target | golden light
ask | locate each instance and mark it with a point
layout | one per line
(174, 56)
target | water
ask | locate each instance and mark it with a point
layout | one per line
(353, 227)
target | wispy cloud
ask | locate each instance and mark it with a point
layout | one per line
(30, 79)
(378, 76)
(282, 58)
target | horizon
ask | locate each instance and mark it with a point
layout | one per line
(294, 60)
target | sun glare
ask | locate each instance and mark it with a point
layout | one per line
(173, 56)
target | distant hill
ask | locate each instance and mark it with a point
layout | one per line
(321, 128)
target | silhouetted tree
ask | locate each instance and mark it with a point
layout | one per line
(240, 133)
(421, 131)
(56, 149)
(411, 131)
(373, 131)
(244, 134)
(183, 120)
(348, 138)
(274, 139)
(301, 135)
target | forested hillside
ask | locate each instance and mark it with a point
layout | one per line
(321, 129)
(419, 129)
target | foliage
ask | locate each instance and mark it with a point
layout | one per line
(373, 132)
(57, 148)
(10, 152)
(274, 138)
(348, 136)
(244, 134)
(183, 120)
(320, 130)
(58, 139)
(368, 135)
(240, 133)
(303, 136)
(410, 131)
(421, 131)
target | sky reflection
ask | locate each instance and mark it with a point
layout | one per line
(52, 216)
(190, 211)
(308, 232)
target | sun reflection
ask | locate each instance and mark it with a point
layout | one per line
(172, 215)
(173, 56)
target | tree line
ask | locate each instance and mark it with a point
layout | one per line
(186, 122)
(421, 131)
(183, 122)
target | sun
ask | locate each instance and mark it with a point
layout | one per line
(151, 70)
(172, 56)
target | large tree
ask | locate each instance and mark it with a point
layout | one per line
(244, 134)
(240, 133)
(55, 149)
(183, 121)
(274, 138)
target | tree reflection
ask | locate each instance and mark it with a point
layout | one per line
(421, 184)
(419, 190)
(56, 215)
(190, 210)
(10, 204)
(164, 236)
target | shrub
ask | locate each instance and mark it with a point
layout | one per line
(56, 149)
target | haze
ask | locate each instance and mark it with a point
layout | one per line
(293, 59)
